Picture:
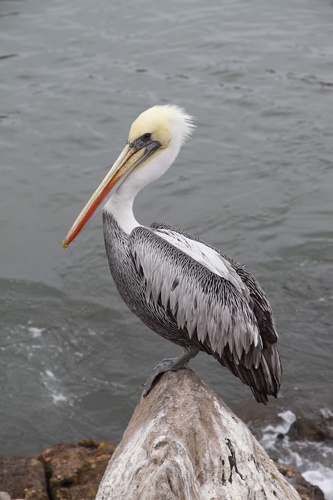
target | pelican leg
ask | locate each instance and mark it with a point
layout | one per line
(170, 364)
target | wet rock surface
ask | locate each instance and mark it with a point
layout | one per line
(320, 429)
(66, 471)
(306, 491)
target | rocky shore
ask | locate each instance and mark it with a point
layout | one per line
(74, 471)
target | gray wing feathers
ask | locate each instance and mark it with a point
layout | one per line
(263, 378)
(259, 303)
(211, 309)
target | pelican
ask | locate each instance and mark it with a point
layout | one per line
(179, 286)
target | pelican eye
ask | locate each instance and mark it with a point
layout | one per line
(143, 141)
(146, 137)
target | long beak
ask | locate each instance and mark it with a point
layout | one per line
(128, 158)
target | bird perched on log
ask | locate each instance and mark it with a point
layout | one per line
(179, 286)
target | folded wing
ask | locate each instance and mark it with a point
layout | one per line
(213, 300)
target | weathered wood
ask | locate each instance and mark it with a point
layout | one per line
(184, 443)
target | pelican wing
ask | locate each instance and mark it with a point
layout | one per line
(258, 301)
(201, 291)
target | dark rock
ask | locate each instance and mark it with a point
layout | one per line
(66, 471)
(307, 491)
(311, 430)
(74, 470)
(23, 477)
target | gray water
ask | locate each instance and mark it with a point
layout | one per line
(256, 181)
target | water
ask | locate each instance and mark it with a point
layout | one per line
(256, 181)
(314, 460)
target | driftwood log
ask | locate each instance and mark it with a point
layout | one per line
(184, 443)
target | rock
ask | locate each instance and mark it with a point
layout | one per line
(4, 495)
(67, 471)
(23, 477)
(193, 420)
(319, 429)
(183, 442)
(307, 491)
(74, 470)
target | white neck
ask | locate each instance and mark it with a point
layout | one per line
(120, 204)
(121, 208)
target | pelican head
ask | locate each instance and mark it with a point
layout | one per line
(153, 143)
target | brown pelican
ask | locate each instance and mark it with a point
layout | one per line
(180, 287)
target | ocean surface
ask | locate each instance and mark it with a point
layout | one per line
(256, 180)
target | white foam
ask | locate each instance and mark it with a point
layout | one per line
(313, 459)
(91, 332)
(51, 384)
(50, 374)
(35, 332)
(326, 413)
(57, 397)
(322, 477)
(272, 431)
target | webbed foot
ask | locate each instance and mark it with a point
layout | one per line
(169, 364)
